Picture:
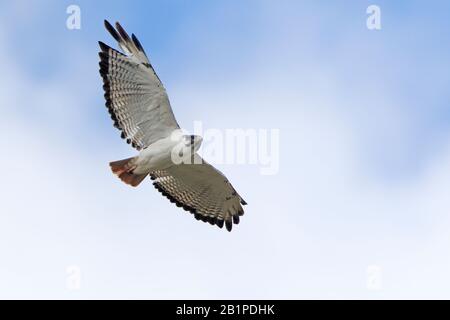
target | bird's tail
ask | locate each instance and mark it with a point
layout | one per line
(124, 170)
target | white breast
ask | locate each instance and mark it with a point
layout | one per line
(157, 156)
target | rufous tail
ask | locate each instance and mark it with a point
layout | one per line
(124, 170)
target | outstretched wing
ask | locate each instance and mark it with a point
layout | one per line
(202, 190)
(135, 97)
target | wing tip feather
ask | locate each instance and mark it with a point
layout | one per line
(111, 30)
(123, 34)
(229, 225)
(137, 43)
(103, 46)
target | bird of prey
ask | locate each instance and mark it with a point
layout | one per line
(139, 106)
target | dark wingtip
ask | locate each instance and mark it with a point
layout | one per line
(229, 225)
(111, 30)
(122, 32)
(211, 220)
(243, 202)
(104, 47)
(137, 43)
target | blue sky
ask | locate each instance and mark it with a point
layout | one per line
(364, 173)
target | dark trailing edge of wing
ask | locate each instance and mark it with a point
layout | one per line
(104, 71)
(211, 220)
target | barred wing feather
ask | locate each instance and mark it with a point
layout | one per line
(202, 190)
(135, 97)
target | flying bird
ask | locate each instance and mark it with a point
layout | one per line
(139, 107)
